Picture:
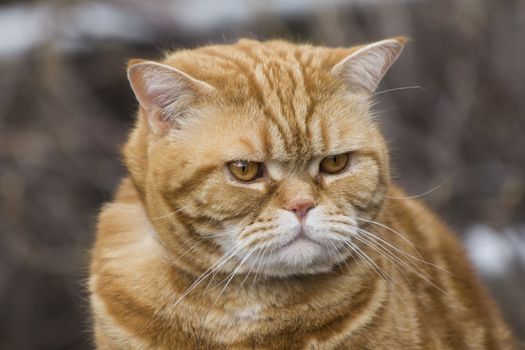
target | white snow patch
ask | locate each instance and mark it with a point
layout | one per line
(494, 252)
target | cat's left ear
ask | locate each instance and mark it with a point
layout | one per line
(363, 69)
(166, 93)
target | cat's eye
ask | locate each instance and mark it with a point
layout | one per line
(335, 163)
(245, 171)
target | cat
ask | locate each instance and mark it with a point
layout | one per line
(259, 213)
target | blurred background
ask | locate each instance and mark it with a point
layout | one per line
(455, 123)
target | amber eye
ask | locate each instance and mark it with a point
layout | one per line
(334, 164)
(245, 171)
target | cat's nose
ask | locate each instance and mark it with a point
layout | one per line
(300, 207)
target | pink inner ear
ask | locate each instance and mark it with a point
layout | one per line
(164, 92)
(136, 79)
(363, 70)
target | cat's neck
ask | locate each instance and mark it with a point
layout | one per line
(230, 302)
(278, 291)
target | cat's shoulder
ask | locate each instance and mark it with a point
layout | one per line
(126, 192)
(123, 221)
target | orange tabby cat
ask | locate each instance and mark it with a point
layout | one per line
(259, 214)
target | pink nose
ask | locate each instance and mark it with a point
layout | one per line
(300, 207)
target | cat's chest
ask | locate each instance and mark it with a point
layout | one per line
(318, 324)
(248, 313)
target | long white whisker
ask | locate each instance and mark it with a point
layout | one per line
(381, 273)
(171, 213)
(382, 243)
(387, 254)
(401, 251)
(255, 262)
(340, 255)
(374, 102)
(420, 259)
(232, 274)
(351, 225)
(398, 89)
(216, 266)
(424, 193)
(228, 279)
(259, 268)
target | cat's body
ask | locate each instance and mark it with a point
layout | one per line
(308, 253)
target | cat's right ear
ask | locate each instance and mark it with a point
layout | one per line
(364, 68)
(165, 93)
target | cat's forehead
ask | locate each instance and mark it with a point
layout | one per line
(291, 137)
(303, 128)
(251, 69)
(278, 100)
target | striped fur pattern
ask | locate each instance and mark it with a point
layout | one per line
(187, 257)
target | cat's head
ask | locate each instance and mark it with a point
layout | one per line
(260, 156)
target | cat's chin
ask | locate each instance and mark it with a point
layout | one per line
(298, 257)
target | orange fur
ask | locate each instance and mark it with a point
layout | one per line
(376, 272)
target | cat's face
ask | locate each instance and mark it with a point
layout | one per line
(275, 168)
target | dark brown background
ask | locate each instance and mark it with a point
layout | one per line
(65, 108)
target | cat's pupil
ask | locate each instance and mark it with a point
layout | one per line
(243, 166)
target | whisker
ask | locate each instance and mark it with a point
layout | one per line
(216, 271)
(170, 214)
(398, 260)
(380, 272)
(222, 234)
(232, 274)
(387, 254)
(420, 259)
(388, 250)
(387, 280)
(260, 269)
(340, 255)
(266, 267)
(228, 279)
(399, 89)
(216, 266)
(375, 102)
(401, 251)
(426, 192)
(251, 268)
(330, 253)
(399, 234)
(186, 252)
